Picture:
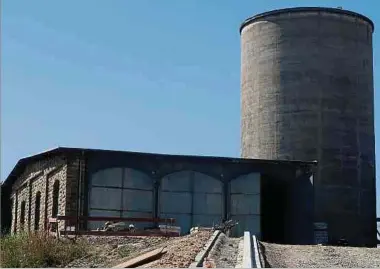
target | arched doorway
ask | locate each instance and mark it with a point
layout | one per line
(120, 192)
(245, 206)
(192, 198)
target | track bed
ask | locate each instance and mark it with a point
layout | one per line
(226, 252)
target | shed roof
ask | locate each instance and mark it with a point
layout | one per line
(23, 162)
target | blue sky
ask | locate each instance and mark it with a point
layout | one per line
(156, 76)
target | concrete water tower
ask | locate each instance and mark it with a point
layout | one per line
(307, 93)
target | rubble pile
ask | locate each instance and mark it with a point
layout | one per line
(110, 250)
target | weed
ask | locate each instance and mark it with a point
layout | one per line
(38, 250)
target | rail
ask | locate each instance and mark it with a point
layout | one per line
(251, 254)
(202, 254)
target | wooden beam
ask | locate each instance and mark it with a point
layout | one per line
(143, 259)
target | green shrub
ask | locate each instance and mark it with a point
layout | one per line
(38, 250)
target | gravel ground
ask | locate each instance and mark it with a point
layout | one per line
(239, 261)
(280, 256)
(225, 251)
(112, 250)
(181, 251)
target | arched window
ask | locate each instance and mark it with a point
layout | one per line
(37, 211)
(22, 215)
(55, 199)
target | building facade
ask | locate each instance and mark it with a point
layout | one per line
(272, 199)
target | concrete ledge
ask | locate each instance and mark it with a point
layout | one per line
(256, 254)
(204, 252)
(247, 250)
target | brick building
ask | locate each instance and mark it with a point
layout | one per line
(273, 199)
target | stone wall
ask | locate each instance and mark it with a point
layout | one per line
(22, 198)
(57, 176)
(75, 187)
(38, 185)
(39, 177)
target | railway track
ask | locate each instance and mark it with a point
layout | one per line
(226, 252)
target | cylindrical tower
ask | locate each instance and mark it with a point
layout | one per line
(307, 94)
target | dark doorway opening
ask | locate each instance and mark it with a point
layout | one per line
(37, 210)
(273, 207)
(55, 199)
(287, 209)
(22, 215)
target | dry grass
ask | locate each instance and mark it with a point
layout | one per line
(38, 250)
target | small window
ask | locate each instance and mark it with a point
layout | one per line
(55, 199)
(37, 211)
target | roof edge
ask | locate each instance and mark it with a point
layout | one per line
(59, 150)
(25, 160)
(306, 9)
(186, 155)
